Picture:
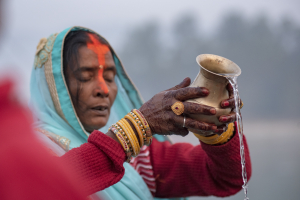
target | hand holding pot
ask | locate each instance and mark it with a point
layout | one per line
(213, 74)
(164, 121)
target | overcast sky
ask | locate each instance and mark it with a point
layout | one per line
(26, 21)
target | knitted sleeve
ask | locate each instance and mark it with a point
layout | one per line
(99, 162)
(183, 170)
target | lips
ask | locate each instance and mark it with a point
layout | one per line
(100, 110)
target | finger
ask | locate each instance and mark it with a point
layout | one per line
(182, 131)
(203, 126)
(228, 103)
(221, 129)
(184, 94)
(228, 118)
(194, 108)
(230, 90)
(186, 82)
(175, 125)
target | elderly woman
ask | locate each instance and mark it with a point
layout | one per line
(86, 110)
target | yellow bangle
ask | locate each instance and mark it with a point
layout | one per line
(120, 138)
(217, 139)
(131, 134)
(146, 126)
(144, 121)
(124, 135)
(139, 131)
(122, 142)
(130, 139)
(139, 124)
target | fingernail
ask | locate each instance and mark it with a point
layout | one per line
(205, 91)
(223, 119)
(213, 111)
(225, 104)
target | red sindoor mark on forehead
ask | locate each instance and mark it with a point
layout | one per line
(100, 50)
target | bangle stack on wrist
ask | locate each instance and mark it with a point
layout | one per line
(217, 139)
(147, 129)
(126, 135)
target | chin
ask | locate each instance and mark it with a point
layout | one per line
(96, 125)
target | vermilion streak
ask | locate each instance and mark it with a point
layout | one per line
(100, 50)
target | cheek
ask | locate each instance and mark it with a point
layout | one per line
(85, 91)
(79, 93)
(72, 86)
(113, 90)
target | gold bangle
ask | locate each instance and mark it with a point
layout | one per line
(124, 135)
(139, 131)
(146, 126)
(130, 134)
(120, 138)
(217, 139)
(139, 124)
(228, 136)
(144, 121)
(131, 131)
(122, 142)
(131, 142)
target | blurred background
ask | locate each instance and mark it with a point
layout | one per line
(158, 42)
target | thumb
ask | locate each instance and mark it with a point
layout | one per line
(186, 82)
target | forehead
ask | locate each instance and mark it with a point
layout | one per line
(90, 58)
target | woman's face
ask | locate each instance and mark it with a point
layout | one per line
(97, 90)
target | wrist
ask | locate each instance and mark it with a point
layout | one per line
(113, 136)
(146, 125)
(132, 132)
(133, 128)
(218, 139)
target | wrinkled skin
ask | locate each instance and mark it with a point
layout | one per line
(162, 119)
(98, 88)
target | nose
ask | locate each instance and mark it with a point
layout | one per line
(101, 89)
(100, 93)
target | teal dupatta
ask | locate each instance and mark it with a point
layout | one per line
(52, 105)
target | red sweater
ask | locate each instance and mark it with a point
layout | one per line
(27, 170)
(180, 169)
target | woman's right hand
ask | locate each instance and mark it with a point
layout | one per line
(162, 120)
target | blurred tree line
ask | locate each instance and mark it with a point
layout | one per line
(268, 54)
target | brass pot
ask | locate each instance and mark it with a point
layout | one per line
(213, 72)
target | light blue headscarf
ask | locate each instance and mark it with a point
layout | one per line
(52, 105)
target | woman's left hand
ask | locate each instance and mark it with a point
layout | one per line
(229, 103)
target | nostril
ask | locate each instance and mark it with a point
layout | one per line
(105, 94)
(99, 94)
